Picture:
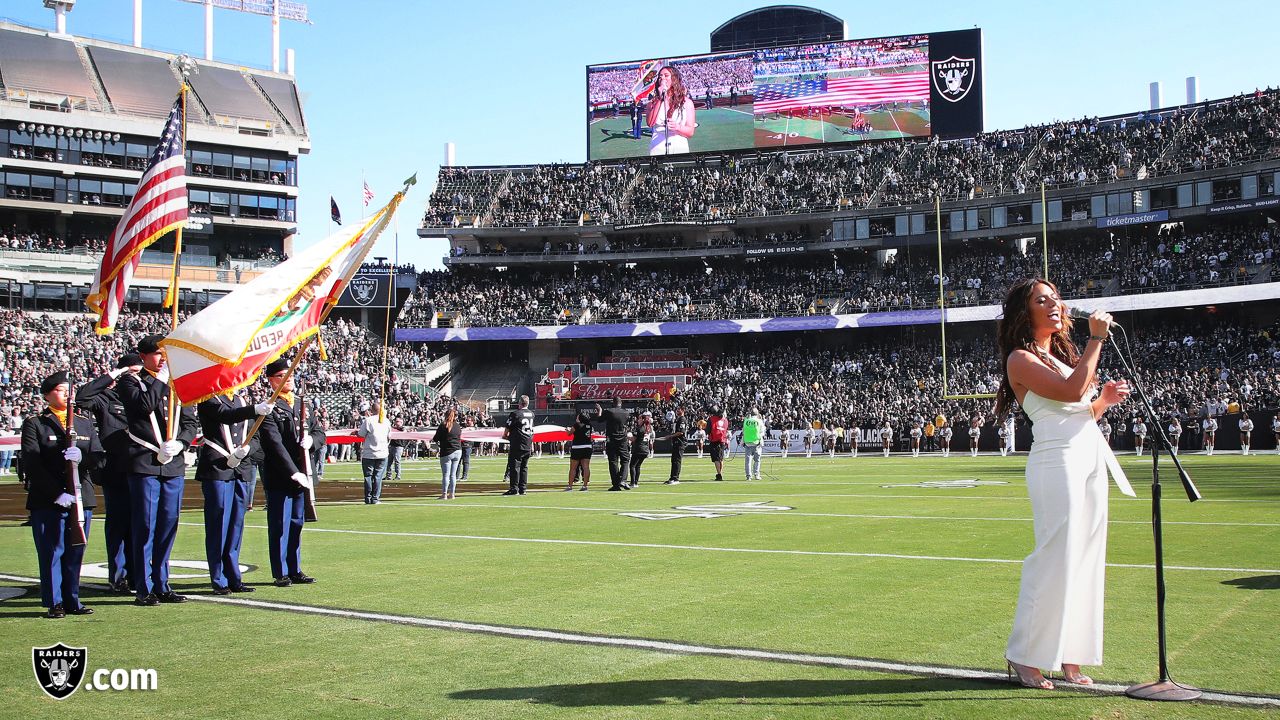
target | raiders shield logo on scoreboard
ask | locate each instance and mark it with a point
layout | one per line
(364, 290)
(59, 669)
(953, 77)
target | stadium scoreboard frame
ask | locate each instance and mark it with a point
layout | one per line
(817, 94)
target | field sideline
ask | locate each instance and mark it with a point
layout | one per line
(832, 588)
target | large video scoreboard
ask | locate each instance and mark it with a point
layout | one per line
(902, 86)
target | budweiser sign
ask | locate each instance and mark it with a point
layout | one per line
(626, 391)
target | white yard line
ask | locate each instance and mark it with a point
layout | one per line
(756, 551)
(682, 648)
(787, 513)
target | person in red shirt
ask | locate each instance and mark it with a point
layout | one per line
(718, 436)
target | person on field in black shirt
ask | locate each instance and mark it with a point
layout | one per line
(616, 445)
(519, 432)
(679, 432)
(580, 450)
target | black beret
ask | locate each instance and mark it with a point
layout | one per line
(52, 382)
(128, 360)
(150, 344)
(275, 367)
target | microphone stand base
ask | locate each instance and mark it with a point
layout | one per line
(1163, 691)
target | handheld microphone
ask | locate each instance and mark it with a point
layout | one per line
(1080, 313)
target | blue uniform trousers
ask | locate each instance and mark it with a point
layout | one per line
(156, 501)
(118, 529)
(224, 505)
(59, 559)
(285, 515)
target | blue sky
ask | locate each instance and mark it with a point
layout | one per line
(386, 84)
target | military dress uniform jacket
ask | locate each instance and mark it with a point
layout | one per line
(145, 399)
(223, 420)
(281, 447)
(43, 440)
(99, 398)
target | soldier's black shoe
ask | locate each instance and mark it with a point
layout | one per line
(511, 492)
(148, 600)
(242, 588)
(121, 587)
(82, 610)
(283, 582)
(171, 598)
(56, 613)
(302, 578)
(219, 590)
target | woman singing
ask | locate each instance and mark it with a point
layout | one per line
(670, 114)
(1058, 624)
(449, 435)
(580, 451)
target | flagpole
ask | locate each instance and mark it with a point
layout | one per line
(386, 328)
(186, 66)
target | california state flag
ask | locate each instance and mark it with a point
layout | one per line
(225, 346)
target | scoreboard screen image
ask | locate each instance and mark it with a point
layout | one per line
(904, 86)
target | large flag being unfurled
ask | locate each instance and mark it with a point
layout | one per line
(158, 206)
(849, 92)
(223, 347)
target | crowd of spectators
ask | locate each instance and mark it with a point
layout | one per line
(1091, 264)
(1191, 370)
(890, 173)
(14, 239)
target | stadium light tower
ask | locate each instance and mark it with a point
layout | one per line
(60, 9)
(276, 9)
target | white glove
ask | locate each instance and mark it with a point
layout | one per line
(307, 442)
(72, 454)
(163, 459)
(163, 374)
(233, 462)
(302, 479)
(240, 452)
(262, 408)
(172, 448)
(65, 500)
(115, 374)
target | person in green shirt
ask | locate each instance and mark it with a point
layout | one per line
(753, 430)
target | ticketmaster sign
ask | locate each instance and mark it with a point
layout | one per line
(1132, 219)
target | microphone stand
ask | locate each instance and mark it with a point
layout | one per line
(1165, 688)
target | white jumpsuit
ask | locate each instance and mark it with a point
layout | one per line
(1059, 615)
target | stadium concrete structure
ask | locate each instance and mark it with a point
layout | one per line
(78, 119)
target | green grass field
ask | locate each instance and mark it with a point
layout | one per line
(865, 563)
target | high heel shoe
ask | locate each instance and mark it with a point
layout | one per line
(1015, 675)
(1075, 677)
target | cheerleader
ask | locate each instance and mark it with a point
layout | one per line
(700, 437)
(1104, 426)
(808, 441)
(1246, 430)
(1139, 434)
(1275, 430)
(1210, 429)
(975, 431)
(1175, 433)
(886, 437)
(916, 434)
(1003, 433)
(829, 441)
(854, 436)
(784, 442)
(944, 435)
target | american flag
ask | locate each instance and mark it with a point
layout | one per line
(158, 206)
(864, 90)
(368, 194)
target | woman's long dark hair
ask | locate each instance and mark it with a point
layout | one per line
(675, 96)
(449, 416)
(1013, 332)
